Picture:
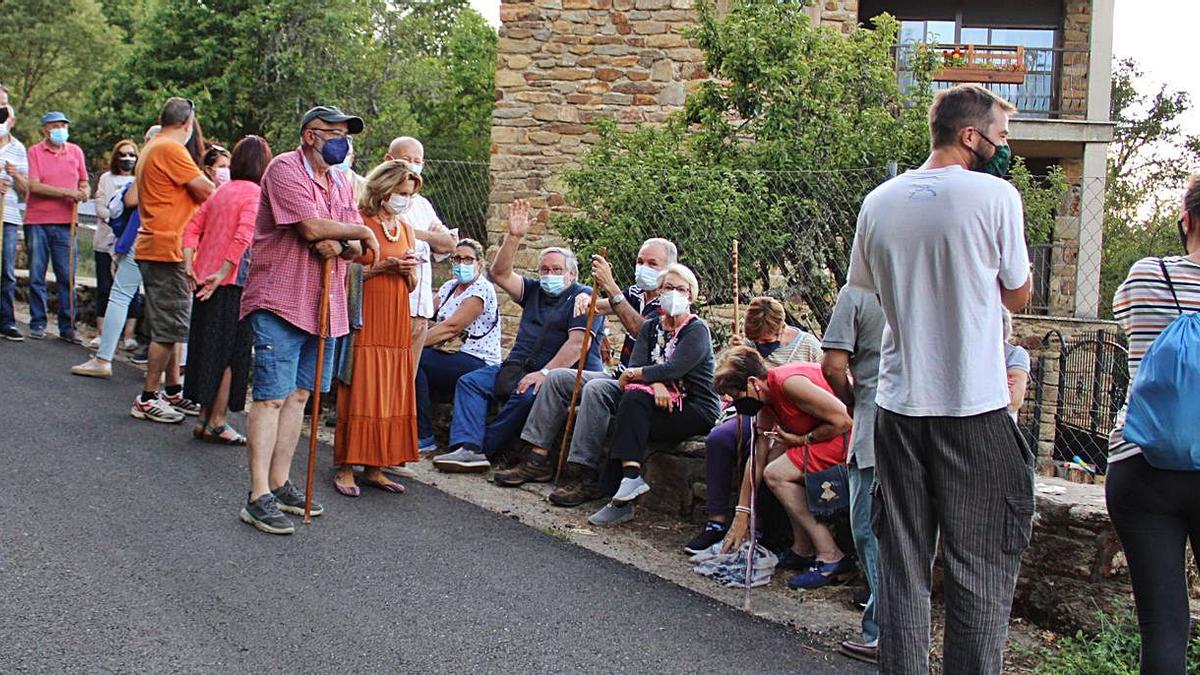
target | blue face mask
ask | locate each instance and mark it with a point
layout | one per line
(59, 136)
(553, 284)
(335, 150)
(463, 273)
(646, 277)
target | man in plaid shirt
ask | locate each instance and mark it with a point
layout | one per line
(307, 214)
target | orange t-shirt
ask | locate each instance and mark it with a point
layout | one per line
(166, 206)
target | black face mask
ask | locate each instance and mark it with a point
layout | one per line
(747, 405)
(766, 349)
(126, 164)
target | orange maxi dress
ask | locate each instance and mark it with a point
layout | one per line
(377, 411)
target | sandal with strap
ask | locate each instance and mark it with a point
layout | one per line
(216, 435)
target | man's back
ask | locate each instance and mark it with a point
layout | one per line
(163, 172)
(935, 245)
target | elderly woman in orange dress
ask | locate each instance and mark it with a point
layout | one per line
(377, 411)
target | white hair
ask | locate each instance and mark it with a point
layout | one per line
(684, 272)
(572, 261)
(668, 246)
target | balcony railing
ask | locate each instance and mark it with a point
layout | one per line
(1040, 95)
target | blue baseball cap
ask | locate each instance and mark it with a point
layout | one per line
(54, 117)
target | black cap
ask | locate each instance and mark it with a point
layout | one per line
(333, 115)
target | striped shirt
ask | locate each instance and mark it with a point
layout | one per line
(1144, 307)
(12, 151)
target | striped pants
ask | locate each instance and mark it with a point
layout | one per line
(971, 479)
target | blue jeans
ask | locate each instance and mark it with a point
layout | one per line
(469, 427)
(121, 297)
(861, 482)
(439, 372)
(49, 245)
(8, 277)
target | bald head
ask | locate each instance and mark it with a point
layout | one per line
(407, 149)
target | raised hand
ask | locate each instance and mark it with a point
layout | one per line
(518, 218)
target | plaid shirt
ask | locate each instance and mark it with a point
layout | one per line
(285, 275)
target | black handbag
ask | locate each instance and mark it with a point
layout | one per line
(828, 491)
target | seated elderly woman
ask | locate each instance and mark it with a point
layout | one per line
(800, 425)
(780, 344)
(468, 313)
(668, 393)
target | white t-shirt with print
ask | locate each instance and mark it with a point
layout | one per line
(936, 245)
(482, 336)
(13, 151)
(422, 217)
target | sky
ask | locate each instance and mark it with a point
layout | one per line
(1159, 34)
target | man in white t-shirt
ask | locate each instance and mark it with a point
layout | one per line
(433, 238)
(943, 246)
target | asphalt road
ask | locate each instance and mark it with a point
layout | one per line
(121, 550)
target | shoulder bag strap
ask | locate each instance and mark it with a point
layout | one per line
(1167, 277)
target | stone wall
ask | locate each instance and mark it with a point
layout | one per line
(1076, 56)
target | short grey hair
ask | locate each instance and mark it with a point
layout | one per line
(682, 271)
(572, 261)
(668, 245)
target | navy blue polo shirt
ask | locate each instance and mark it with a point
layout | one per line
(551, 315)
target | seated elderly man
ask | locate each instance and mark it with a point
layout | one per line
(600, 393)
(550, 336)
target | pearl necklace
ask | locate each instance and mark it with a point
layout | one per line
(388, 233)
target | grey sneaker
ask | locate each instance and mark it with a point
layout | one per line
(462, 461)
(37, 333)
(612, 514)
(291, 500)
(629, 490)
(264, 514)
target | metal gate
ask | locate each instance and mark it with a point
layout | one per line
(1093, 378)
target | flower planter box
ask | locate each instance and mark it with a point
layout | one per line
(985, 65)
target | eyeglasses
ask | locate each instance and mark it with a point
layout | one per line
(552, 270)
(463, 259)
(679, 289)
(335, 133)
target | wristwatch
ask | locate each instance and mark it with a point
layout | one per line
(544, 372)
(616, 299)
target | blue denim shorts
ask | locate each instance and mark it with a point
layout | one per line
(285, 358)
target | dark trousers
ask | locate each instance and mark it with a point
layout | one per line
(438, 373)
(720, 455)
(1155, 514)
(639, 421)
(971, 480)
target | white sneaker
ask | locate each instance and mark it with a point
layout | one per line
(400, 471)
(94, 343)
(155, 410)
(93, 368)
(629, 490)
(129, 344)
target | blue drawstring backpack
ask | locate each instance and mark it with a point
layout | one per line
(1164, 402)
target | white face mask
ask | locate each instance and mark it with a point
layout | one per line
(674, 303)
(4, 129)
(398, 204)
(415, 168)
(222, 175)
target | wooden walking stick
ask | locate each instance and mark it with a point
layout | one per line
(71, 263)
(319, 375)
(737, 289)
(583, 352)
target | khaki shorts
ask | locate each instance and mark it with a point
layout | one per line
(168, 303)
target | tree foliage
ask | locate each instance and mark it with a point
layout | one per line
(777, 149)
(1149, 161)
(414, 67)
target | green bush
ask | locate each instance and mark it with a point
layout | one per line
(1114, 650)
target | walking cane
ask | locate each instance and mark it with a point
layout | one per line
(322, 331)
(753, 519)
(583, 352)
(71, 263)
(737, 288)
